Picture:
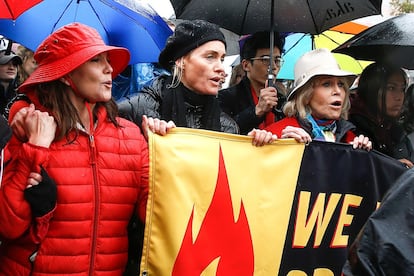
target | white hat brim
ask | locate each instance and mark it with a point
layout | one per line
(320, 71)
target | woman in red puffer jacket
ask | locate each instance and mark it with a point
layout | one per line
(74, 222)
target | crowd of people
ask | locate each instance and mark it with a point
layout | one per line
(79, 159)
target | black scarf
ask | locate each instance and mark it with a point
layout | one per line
(178, 101)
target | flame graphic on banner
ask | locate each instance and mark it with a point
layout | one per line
(220, 237)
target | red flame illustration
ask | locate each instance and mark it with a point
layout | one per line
(219, 237)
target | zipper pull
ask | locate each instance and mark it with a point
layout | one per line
(92, 141)
(93, 150)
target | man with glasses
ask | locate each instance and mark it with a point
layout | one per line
(252, 103)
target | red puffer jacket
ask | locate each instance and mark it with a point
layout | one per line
(101, 181)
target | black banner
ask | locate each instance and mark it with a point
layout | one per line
(338, 188)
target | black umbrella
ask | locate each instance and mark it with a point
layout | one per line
(390, 41)
(249, 16)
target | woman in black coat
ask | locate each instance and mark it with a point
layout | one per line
(376, 109)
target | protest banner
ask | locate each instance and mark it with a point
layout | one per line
(220, 206)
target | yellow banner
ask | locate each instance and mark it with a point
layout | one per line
(217, 204)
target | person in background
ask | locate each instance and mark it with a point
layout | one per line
(407, 115)
(77, 222)
(252, 103)
(28, 63)
(318, 105)
(9, 63)
(376, 109)
(5, 135)
(237, 74)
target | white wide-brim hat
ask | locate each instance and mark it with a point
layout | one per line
(317, 62)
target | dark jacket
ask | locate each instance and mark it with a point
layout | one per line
(386, 134)
(5, 133)
(150, 100)
(237, 101)
(384, 245)
(6, 97)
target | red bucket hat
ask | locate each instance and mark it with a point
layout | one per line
(68, 48)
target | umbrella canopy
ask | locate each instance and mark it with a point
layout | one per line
(390, 41)
(248, 16)
(11, 9)
(298, 44)
(124, 23)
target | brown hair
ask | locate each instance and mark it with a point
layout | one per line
(54, 97)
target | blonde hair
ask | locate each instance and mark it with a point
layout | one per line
(24, 53)
(237, 73)
(299, 105)
(177, 75)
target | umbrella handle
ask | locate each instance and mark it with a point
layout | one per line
(271, 81)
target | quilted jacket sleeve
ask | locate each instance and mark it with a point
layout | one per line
(15, 212)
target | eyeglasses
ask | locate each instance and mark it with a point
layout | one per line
(266, 60)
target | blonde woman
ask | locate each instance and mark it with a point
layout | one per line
(194, 54)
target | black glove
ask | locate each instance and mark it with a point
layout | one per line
(42, 197)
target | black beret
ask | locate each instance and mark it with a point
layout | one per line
(187, 36)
